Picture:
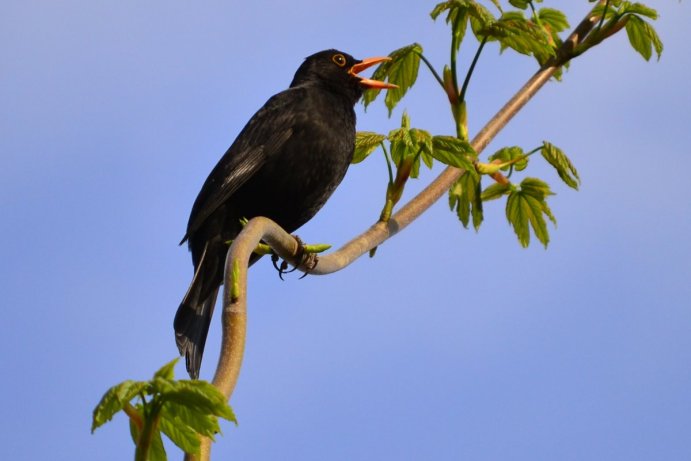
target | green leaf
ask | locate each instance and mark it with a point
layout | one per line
(134, 429)
(638, 9)
(408, 147)
(521, 4)
(513, 30)
(525, 208)
(497, 4)
(114, 400)
(180, 434)
(365, 143)
(454, 152)
(202, 424)
(565, 169)
(195, 394)
(157, 452)
(507, 154)
(495, 191)
(643, 37)
(459, 12)
(401, 142)
(167, 370)
(480, 20)
(536, 187)
(555, 19)
(465, 199)
(427, 158)
(401, 70)
(422, 140)
(439, 8)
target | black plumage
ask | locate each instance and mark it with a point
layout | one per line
(284, 165)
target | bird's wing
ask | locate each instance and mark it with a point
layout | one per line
(266, 132)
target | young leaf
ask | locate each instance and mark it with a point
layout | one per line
(495, 191)
(422, 139)
(198, 395)
(402, 145)
(454, 152)
(408, 147)
(513, 30)
(464, 198)
(525, 208)
(402, 70)
(638, 9)
(167, 370)
(202, 424)
(134, 429)
(497, 4)
(507, 154)
(459, 12)
(157, 452)
(555, 19)
(365, 143)
(643, 37)
(423, 144)
(565, 169)
(520, 4)
(457, 17)
(427, 159)
(114, 400)
(181, 435)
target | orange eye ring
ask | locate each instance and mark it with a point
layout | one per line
(339, 60)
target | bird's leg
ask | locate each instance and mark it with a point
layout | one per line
(305, 258)
(299, 254)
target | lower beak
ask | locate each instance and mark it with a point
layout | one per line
(366, 82)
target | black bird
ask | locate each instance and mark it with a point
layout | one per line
(284, 165)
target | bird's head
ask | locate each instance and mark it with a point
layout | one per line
(339, 72)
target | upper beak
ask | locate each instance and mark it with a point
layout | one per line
(366, 82)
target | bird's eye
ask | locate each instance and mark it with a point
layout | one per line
(339, 59)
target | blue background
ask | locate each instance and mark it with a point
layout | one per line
(447, 345)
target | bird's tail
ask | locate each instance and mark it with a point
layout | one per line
(193, 317)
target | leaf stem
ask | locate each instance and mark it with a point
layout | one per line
(604, 13)
(431, 69)
(454, 53)
(388, 162)
(537, 149)
(535, 15)
(466, 81)
(133, 414)
(146, 436)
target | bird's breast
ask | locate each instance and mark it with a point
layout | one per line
(296, 182)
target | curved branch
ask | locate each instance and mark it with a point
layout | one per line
(234, 316)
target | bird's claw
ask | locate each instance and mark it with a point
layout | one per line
(281, 269)
(306, 259)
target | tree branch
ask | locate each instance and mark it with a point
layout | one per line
(234, 315)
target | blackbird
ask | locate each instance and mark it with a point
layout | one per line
(284, 165)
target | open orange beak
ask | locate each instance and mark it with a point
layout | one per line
(367, 82)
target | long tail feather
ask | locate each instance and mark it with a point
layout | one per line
(193, 317)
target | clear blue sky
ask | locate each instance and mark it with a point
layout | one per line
(448, 345)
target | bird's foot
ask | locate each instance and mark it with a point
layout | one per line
(282, 268)
(305, 255)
